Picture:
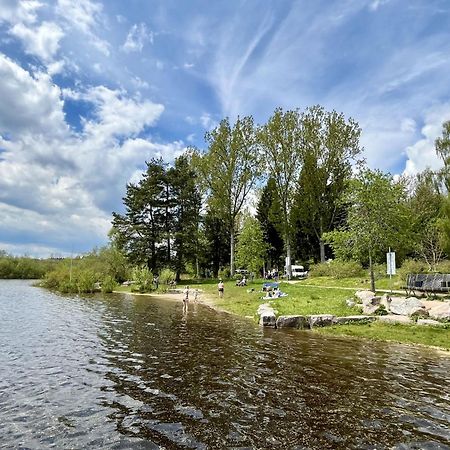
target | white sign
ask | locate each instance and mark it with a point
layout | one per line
(390, 258)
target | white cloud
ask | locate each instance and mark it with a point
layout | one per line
(422, 153)
(58, 187)
(41, 41)
(375, 4)
(86, 17)
(14, 11)
(136, 38)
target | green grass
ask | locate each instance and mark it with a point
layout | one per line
(406, 334)
(353, 282)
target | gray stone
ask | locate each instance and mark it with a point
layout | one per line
(430, 322)
(405, 306)
(321, 320)
(370, 309)
(386, 301)
(267, 317)
(393, 318)
(355, 319)
(350, 303)
(440, 312)
(365, 296)
(300, 322)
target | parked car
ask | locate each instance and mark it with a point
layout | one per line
(298, 271)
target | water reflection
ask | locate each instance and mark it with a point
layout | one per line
(138, 373)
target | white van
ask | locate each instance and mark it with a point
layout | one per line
(298, 271)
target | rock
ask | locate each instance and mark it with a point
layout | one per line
(420, 312)
(386, 301)
(440, 312)
(354, 319)
(321, 320)
(430, 322)
(350, 303)
(300, 322)
(365, 296)
(405, 306)
(267, 317)
(370, 309)
(393, 318)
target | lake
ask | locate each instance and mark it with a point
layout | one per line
(126, 372)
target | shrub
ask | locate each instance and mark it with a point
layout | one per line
(224, 272)
(379, 271)
(345, 269)
(320, 270)
(166, 276)
(411, 266)
(443, 266)
(143, 279)
(108, 284)
(85, 281)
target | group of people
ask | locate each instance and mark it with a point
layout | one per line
(272, 274)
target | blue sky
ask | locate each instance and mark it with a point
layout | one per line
(90, 90)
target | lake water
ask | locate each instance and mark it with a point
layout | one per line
(128, 372)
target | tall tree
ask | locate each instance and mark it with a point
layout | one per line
(442, 146)
(330, 146)
(377, 218)
(186, 212)
(251, 249)
(230, 168)
(281, 140)
(268, 215)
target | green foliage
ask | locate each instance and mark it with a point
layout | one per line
(337, 269)
(379, 271)
(443, 266)
(85, 280)
(142, 278)
(166, 276)
(224, 273)
(251, 249)
(108, 284)
(12, 267)
(411, 266)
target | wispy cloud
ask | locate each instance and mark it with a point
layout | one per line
(137, 37)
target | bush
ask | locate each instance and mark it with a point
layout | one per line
(224, 272)
(379, 271)
(143, 279)
(443, 266)
(411, 266)
(167, 276)
(320, 270)
(108, 284)
(85, 281)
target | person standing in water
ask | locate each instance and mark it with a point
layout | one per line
(220, 288)
(185, 299)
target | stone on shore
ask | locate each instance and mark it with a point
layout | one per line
(299, 322)
(393, 318)
(267, 317)
(365, 296)
(354, 319)
(440, 312)
(321, 320)
(430, 322)
(405, 306)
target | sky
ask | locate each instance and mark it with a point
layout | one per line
(90, 90)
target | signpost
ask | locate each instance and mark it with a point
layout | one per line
(390, 259)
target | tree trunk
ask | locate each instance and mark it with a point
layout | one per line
(232, 252)
(372, 275)
(197, 267)
(322, 250)
(321, 244)
(288, 258)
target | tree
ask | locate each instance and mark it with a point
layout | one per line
(377, 218)
(330, 146)
(442, 145)
(268, 215)
(251, 250)
(230, 168)
(281, 141)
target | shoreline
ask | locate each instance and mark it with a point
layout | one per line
(209, 303)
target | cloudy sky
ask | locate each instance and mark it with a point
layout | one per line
(90, 90)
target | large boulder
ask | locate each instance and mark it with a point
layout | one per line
(365, 296)
(430, 323)
(300, 322)
(392, 318)
(321, 320)
(267, 317)
(440, 312)
(406, 306)
(355, 319)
